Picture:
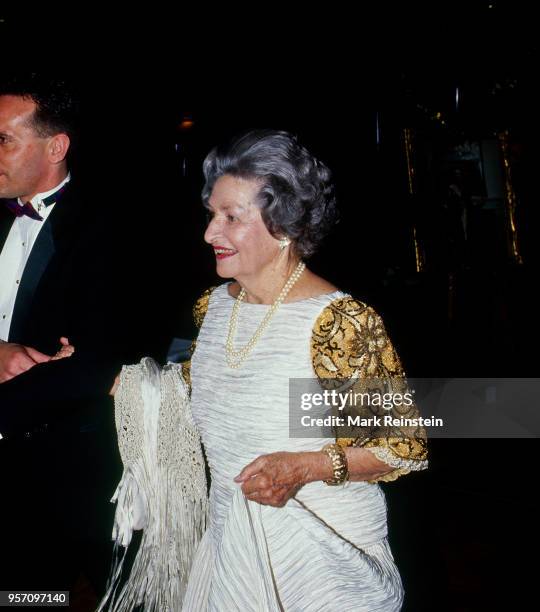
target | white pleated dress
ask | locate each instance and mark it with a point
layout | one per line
(327, 548)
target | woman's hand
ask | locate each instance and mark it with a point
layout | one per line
(66, 350)
(274, 478)
(115, 385)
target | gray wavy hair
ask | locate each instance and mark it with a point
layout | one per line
(296, 198)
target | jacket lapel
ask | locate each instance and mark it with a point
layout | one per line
(57, 233)
(40, 257)
(6, 221)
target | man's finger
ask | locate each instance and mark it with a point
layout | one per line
(37, 356)
(19, 364)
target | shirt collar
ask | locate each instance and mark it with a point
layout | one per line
(37, 200)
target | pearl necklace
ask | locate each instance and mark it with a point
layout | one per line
(235, 358)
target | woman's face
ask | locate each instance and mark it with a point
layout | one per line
(243, 247)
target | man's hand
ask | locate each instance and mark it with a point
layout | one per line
(66, 350)
(16, 359)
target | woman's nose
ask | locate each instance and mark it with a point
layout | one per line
(212, 231)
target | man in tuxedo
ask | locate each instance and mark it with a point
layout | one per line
(61, 259)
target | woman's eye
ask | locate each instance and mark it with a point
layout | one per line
(226, 217)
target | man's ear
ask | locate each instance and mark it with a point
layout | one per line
(58, 148)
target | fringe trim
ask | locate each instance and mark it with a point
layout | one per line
(160, 572)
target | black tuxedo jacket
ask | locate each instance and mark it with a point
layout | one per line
(81, 282)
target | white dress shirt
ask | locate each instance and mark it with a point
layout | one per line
(14, 256)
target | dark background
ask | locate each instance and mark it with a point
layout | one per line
(462, 533)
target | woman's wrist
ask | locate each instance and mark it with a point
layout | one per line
(362, 465)
(315, 466)
(339, 462)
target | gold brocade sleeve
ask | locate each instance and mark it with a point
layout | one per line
(199, 311)
(350, 347)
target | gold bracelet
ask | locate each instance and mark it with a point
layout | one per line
(339, 463)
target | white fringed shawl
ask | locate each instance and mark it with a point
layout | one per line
(162, 490)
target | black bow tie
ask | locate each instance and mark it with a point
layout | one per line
(27, 209)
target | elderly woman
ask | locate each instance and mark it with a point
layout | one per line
(280, 536)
